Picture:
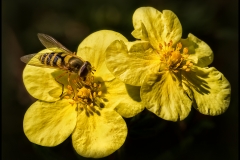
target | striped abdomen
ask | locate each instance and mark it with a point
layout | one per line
(61, 60)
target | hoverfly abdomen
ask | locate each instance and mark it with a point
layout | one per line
(56, 60)
(53, 59)
(45, 59)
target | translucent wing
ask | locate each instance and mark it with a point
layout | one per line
(50, 43)
(27, 58)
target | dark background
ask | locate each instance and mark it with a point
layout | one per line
(198, 137)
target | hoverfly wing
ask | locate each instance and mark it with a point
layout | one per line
(50, 43)
(27, 58)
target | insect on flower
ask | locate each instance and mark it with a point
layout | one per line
(58, 57)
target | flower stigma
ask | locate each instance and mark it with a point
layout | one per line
(86, 94)
(174, 58)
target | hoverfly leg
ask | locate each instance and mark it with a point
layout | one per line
(62, 87)
(69, 82)
(56, 79)
(93, 70)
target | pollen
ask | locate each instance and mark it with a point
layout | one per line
(66, 97)
(84, 92)
(99, 93)
(174, 58)
(87, 96)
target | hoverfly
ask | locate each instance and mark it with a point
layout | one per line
(59, 57)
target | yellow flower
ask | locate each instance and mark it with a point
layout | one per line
(90, 111)
(173, 73)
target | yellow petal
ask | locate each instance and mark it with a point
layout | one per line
(98, 136)
(49, 124)
(41, 84)
(156, 27)
(131, 67)
(199, 52)
(210, 88)
(93, 47)
(99, 66)
(163, 95)
(125, 99)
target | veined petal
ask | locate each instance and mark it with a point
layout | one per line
(98, 136)
(100, 66)
(199, 52)
(41, 83)
(49, 124)
(131, 67)
(162, 94)
(125, 99)
(156, 27)
(93, 47)
(210, 88)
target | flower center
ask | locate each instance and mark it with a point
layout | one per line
(86, 94)
(174, 59)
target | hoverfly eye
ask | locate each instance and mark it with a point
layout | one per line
(84, 70)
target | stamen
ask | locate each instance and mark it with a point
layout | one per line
(185, 50)
(188, 62)
(179, 46)
(69, 92)
(87, 95)
(69, 87)
(72, 102)
(170, 43)
(160, 46)
(175, 71)
(184, 67)
(99, 93)
(94, 94)
(175, 58)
